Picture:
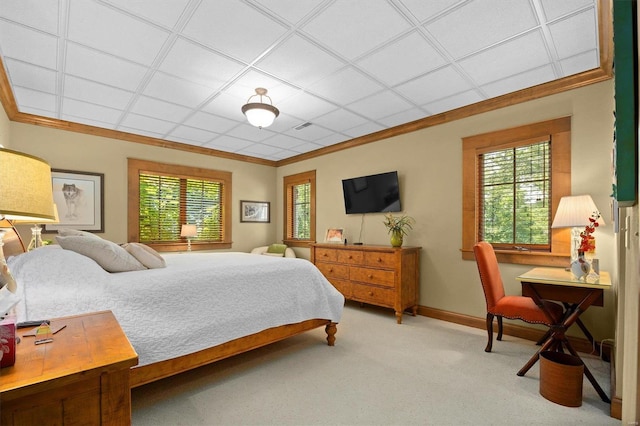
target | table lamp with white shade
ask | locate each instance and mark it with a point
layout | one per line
(189, 231)
(574, 211)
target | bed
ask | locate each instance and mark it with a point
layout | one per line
(200, 308)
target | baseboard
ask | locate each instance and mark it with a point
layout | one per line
(528, 333)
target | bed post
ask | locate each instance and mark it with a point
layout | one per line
(331, 330)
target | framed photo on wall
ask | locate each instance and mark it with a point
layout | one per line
(254, 211)
(79, 197)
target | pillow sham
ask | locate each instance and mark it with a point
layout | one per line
(107, 254)
(277, 248)
(76, 233)
(145, 255)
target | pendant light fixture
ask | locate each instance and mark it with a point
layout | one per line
(260, 114)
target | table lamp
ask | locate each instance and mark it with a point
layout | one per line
(189, 231)
(574, 212)
(25, 194)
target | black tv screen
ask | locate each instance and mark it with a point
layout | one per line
(372, 194)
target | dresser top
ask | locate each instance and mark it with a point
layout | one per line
(364, 247)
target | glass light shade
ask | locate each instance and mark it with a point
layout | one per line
(260, 114)
(25, 187)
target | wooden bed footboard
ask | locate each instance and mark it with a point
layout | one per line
(159, 370)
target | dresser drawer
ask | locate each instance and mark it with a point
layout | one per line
(375, 295)
(324, 254)
(332, 270)
(343, 286)
(373, 276)
(351, 257)
(383, 260)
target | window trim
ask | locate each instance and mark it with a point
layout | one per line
(135, 167)
(288, 182)
(559, 131)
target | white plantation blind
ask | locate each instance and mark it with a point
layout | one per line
(301, 202)
(167, 202)
(515, 196)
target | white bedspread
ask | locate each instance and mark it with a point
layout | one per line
(199, 300)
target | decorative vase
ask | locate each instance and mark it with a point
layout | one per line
(396, 238)
(580, 267)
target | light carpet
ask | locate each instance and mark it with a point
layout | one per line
(423, 372)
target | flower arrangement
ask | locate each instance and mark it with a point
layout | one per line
(587, 242)
(398, 224)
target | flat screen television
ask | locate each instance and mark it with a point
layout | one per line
(372, 194)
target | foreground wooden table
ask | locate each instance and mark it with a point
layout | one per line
(82, 377)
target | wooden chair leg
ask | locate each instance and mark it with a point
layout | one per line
(499, 327)
(490, 331)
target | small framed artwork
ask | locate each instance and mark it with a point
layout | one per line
(254, 211)
(334, 235)
(79, 197)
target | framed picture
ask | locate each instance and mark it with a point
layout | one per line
(334, 235)
(254, 211)
(79, 197)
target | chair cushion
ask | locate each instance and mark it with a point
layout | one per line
(525, 309)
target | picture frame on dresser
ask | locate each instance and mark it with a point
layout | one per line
(79, 198)
(334, 235)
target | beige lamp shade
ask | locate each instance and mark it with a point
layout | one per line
(189, 231)
(575, 211)
(25, 187)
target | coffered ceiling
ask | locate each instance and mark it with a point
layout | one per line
(180, 70)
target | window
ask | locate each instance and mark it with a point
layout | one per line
(300, 208)
(512, 183)
(167, 196)
(514, 186)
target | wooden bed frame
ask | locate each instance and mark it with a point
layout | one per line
(161, 369)
(141, 375)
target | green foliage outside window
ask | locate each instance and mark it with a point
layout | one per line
(515, 194)
(302, 211)
(167, 202)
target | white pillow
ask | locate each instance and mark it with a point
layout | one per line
(107, 254)
(66, 232)
(145, 255)
(273, 254)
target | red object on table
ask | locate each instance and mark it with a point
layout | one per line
(7, 341)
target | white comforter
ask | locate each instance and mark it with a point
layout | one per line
(199, 300)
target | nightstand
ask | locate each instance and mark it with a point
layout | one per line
(82, 377)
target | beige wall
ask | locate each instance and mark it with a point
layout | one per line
(76, 151)
(429, 163)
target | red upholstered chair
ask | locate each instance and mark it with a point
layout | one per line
(500, 305)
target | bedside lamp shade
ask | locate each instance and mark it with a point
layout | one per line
(25, 187)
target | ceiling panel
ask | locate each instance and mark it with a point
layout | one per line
(182, 69)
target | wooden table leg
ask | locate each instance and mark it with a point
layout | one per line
(587, 373)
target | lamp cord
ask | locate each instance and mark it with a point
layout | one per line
(361, 223)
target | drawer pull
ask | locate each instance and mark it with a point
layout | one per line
(350, 257)
(379, 260)
(330, 269)
(370, 276)
(370, 293)
(325, 254)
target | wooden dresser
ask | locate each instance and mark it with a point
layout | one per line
(379, 275)
(81, 378)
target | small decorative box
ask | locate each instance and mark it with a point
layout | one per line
(7, 341)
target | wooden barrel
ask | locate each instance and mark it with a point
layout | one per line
(561, 378)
